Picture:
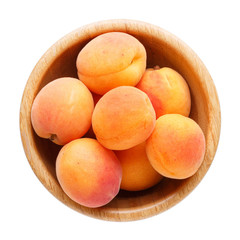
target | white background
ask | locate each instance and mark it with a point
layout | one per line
(29, 28)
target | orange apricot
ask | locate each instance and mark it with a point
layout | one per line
(62, 110)
(88, 173)
(167, 90)
(123, 118)
(137, 172)
(176, 146)
(110, 60)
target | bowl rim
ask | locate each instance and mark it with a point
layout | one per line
(85, 32)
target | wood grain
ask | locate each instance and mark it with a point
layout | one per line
(163, 49)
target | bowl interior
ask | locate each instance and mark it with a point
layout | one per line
(163, 49)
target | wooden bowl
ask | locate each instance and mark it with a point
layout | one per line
(163, 49)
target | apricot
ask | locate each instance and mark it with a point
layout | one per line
(62, 110)
(167, 90)
(176, 147)
(123, 118)
(88, 173)
(110, 60)
(137, 172)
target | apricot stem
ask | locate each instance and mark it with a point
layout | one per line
(156, 67)
(52, 137)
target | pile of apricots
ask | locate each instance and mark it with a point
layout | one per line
(121, 125)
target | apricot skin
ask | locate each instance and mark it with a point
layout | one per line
(62, 110)
(167, 90)
(176, 147)
(137, 172)
(88, 173)
(123, 118)
(110, 60)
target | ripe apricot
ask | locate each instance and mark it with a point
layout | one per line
(110, 60)
(137, 172)
(176, 147)
(62, 110)
(167, 90)
(123, 118)
(88, 173)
